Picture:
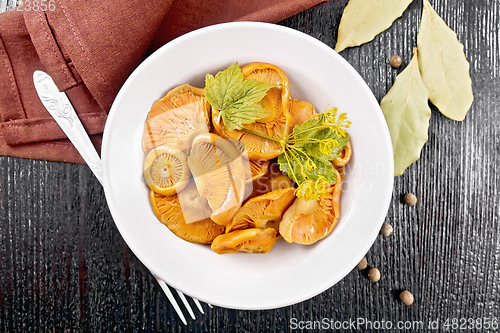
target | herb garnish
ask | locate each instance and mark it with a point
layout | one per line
(236, 99)
(307, 151)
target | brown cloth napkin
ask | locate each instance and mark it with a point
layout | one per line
(90, 47)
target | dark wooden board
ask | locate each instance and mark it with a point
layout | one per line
(65, 268)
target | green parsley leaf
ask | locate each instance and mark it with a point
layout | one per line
(330, 146)
(319, 142)
(309, 150)
(236, 99)
(296, 167)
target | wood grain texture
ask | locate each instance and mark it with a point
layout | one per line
(65, 268)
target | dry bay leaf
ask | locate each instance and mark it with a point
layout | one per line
(407, 113)
(362, 20)
(443, 66)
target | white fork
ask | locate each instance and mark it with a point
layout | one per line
(60, 108)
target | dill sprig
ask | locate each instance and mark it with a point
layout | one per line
(309, 150)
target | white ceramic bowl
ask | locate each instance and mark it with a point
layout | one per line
(289, 273)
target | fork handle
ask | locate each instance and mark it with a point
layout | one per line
(59, 106)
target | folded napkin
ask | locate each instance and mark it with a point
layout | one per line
(89, 48)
